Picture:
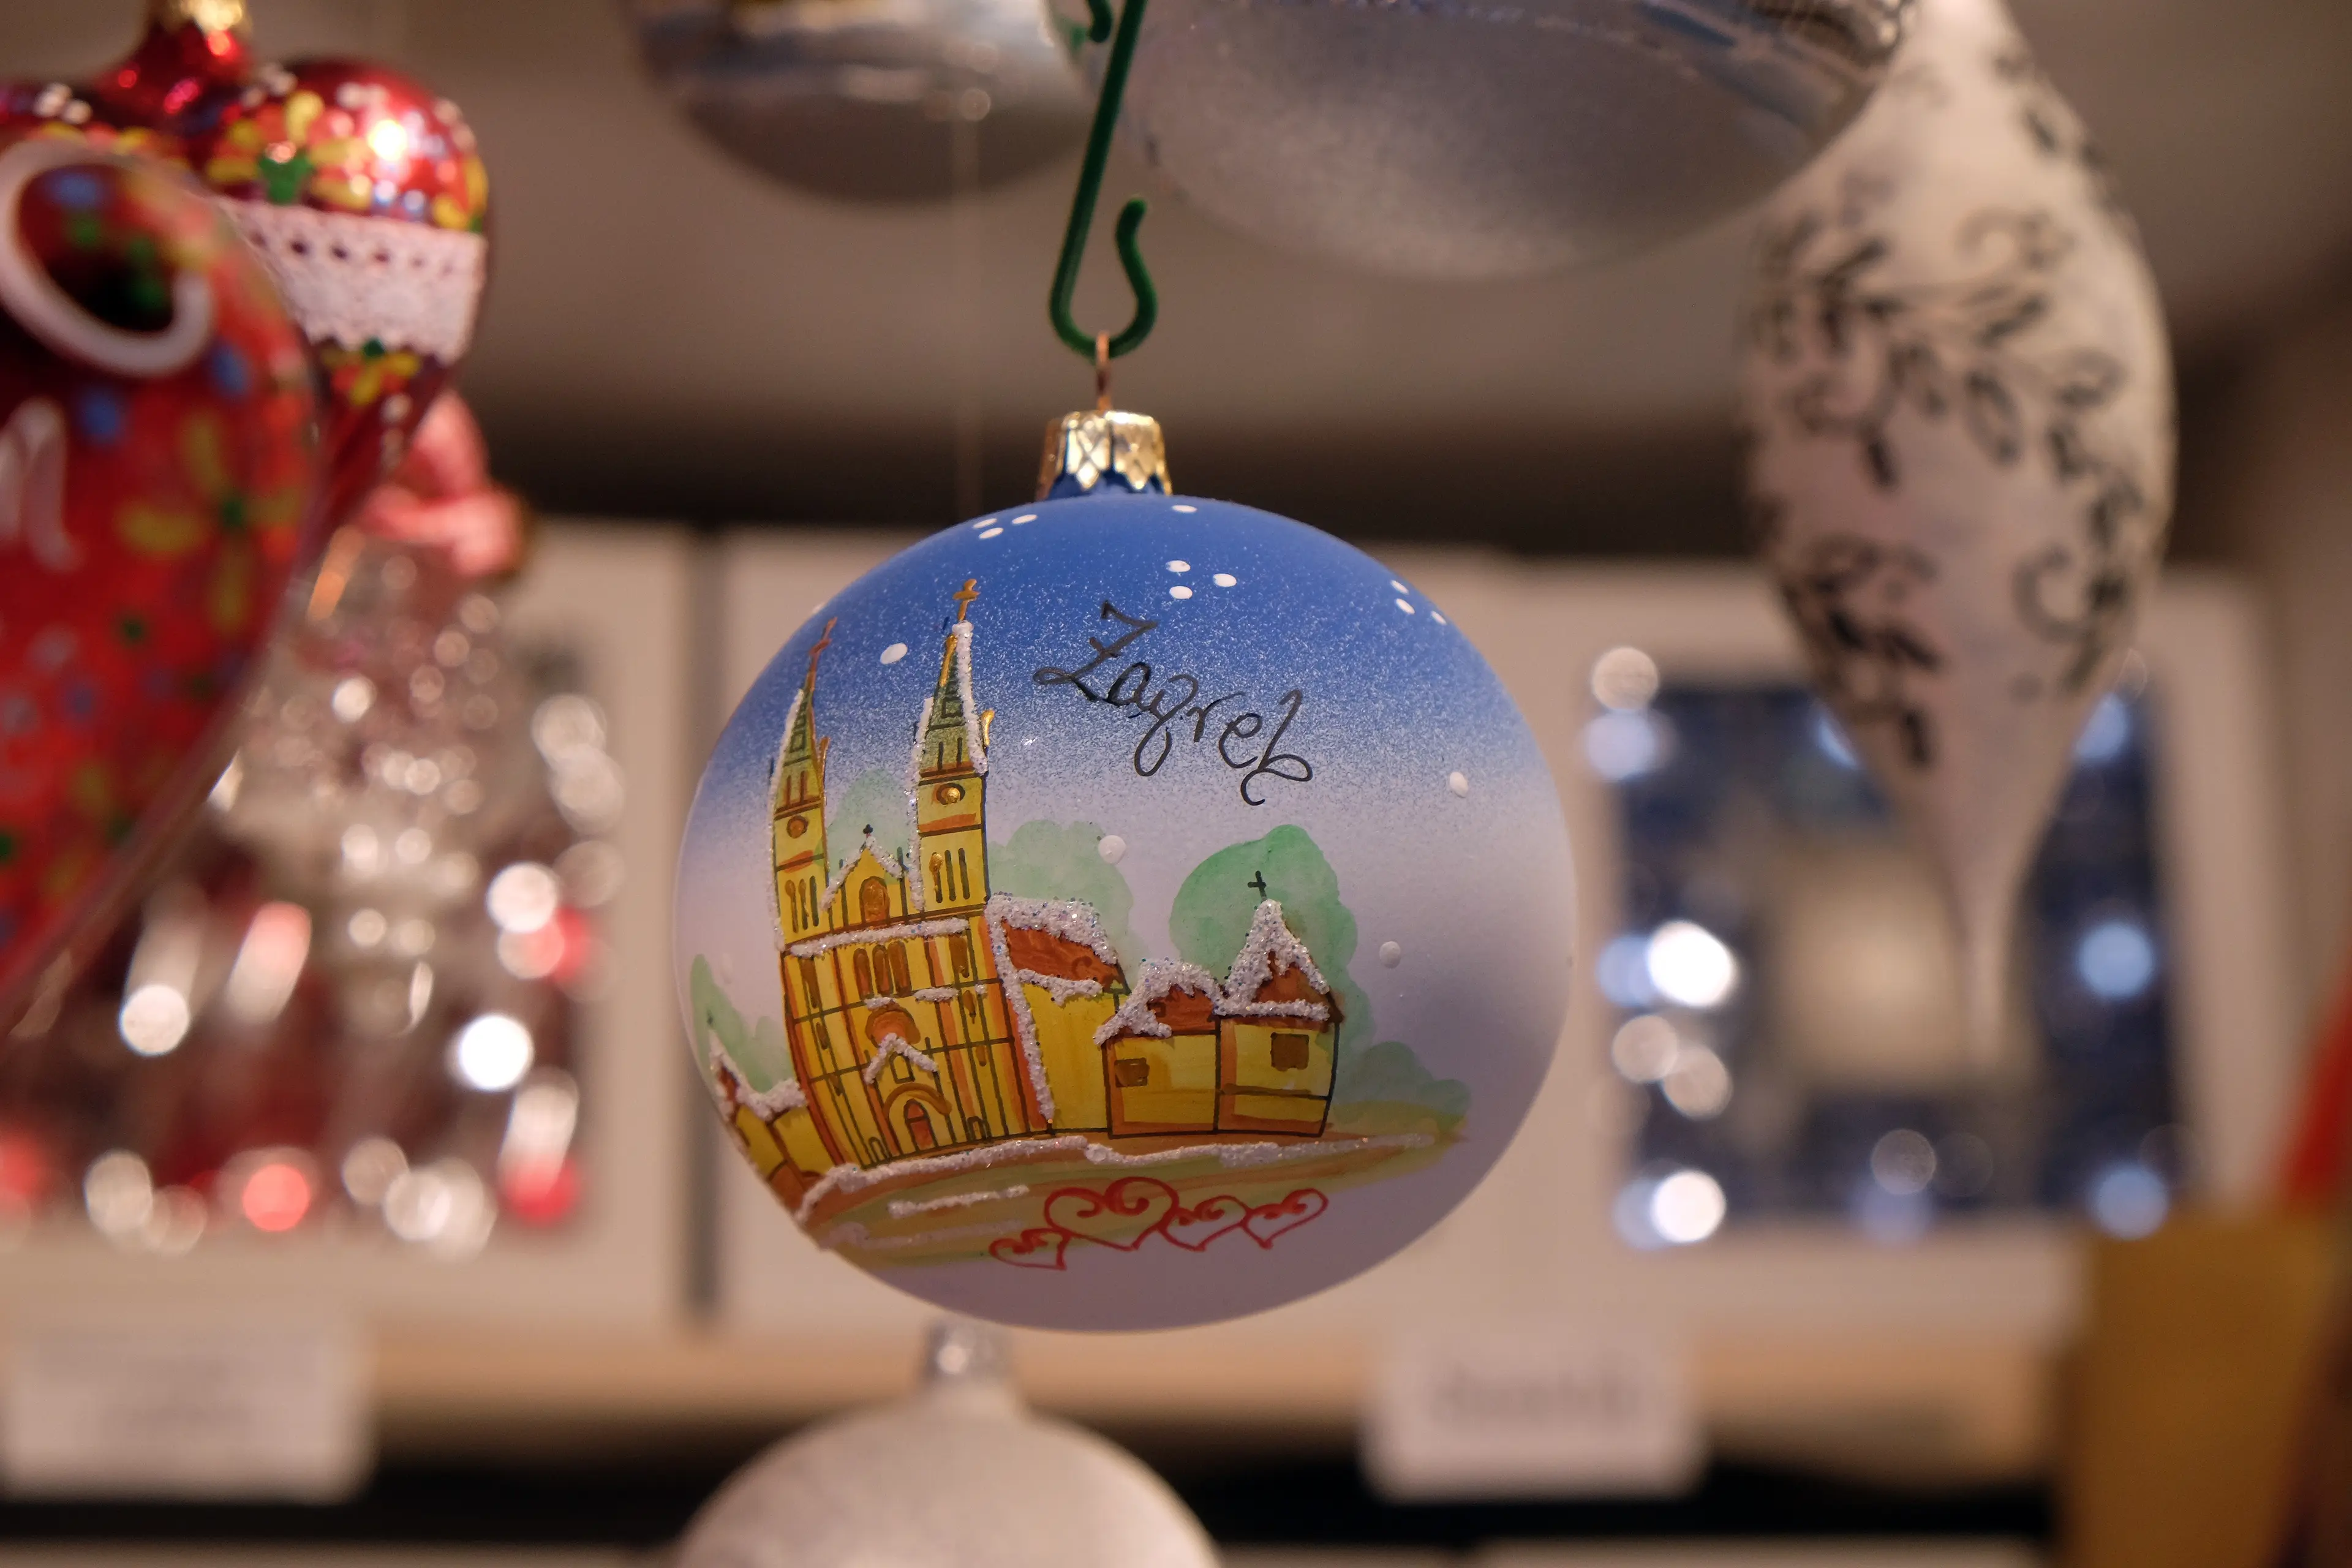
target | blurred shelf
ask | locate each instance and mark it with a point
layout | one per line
(1901, 1410)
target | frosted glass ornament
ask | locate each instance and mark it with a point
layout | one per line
(1000, 1488)
(1450, 141)
(871, 100)
(1959, 397)
(1124, 911)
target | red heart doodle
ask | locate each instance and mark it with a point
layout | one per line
(1269, 1220)
(1031, 1249)
(1120, 1215)
(1195, 1227)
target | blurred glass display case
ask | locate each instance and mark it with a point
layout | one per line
(376, 1042)
(1787, 1016)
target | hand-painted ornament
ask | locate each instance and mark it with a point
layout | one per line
(1124, 911)
(1959, 401)
(156, 474)
(1458, 142)
(1001, 1487)
(190, 65)
(912, 100)
(364, 192)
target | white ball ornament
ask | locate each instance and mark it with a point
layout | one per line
(1959, 402)
(1443, 140)
(1180, 928)
(962, 1475)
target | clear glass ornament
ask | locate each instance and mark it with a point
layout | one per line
(352, 998)
(903, 100)
(1450, 141)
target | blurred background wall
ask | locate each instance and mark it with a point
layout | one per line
(671, 336)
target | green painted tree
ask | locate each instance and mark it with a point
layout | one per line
(1212, 917)
(758, 1051)
(1211, 914)
(1058, 860)
(873, 799)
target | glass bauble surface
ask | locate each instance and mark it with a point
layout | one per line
(1446, 141)
(156, 473)
(1961, 398)
(365, 194)
(870, 100)
(1001, 1488)
(1123, 911)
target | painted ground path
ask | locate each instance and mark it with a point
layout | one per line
(1027, 1203)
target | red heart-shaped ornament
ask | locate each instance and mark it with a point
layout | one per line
(156, 494)
(361, 189)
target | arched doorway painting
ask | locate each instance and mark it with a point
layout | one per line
(873, 902)
(920, 1122)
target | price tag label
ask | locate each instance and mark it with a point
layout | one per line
(202, 1408)
(1529, 1412)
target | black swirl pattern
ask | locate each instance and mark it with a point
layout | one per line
(1980, 349)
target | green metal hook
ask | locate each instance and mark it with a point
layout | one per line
(1082, 205)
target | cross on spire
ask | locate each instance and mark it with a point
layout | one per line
(1258, 883)
(964, 596)
(823, 642)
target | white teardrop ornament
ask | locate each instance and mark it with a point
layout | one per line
(1959, 408)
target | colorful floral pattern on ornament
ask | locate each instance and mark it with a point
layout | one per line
(158, 508)
(361, 154)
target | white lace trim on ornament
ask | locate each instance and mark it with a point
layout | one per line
(352, 280)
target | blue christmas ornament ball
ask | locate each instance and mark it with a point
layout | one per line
(1124, 911)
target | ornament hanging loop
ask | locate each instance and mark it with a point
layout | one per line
(1102, 373)
(1106, 347)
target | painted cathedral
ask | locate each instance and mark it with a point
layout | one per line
(925, 1014)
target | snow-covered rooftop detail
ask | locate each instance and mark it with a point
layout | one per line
(774, 1100)
(1059, 987)
(816, 945)
(955, 666)
(766, 1104)
(783, 749)
(896, 1045)
(961, 632)
(1313, 1011)
(775, 788)
(917, 893)
(1270, 950)
(1158, 978)
(885, 860)
(1067, 919)
(1024, 1024)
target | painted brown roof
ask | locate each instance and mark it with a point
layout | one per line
(1042, 952)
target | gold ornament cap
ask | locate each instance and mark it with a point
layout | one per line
(206, 15)
(1103, 449)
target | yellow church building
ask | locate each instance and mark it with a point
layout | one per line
(925, 1014)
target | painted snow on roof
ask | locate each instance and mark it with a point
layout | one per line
(1157, 979)
(1270, 950)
